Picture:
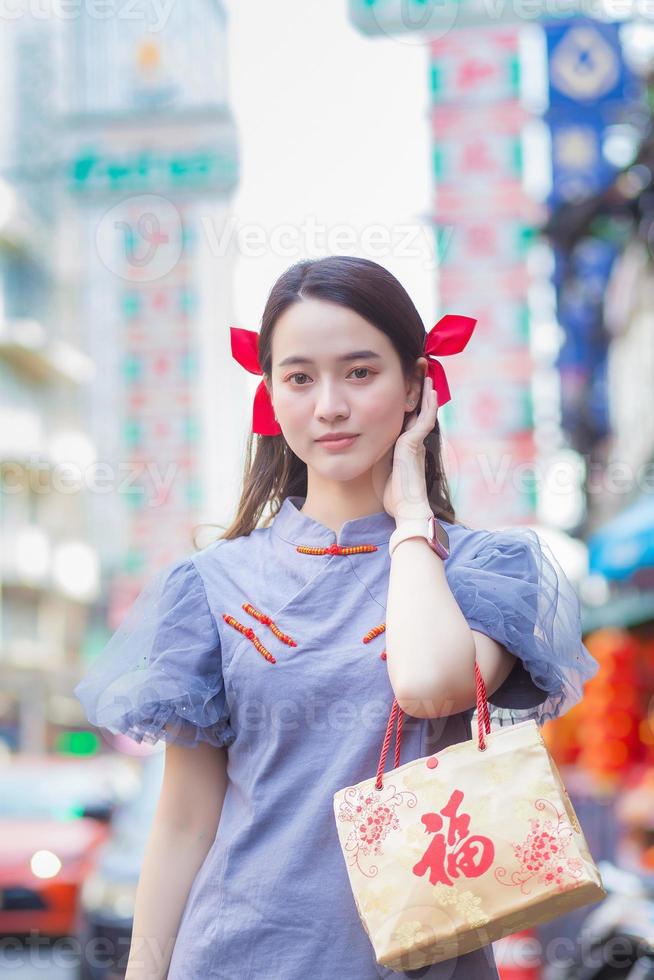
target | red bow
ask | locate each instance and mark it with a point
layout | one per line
(449, 336)
(245, 349)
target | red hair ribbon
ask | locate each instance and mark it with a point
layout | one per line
(245, 349)
(449, 336)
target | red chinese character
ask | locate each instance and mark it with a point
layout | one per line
(471, 858)
(477, 156)
(473, 71)
(482, 240)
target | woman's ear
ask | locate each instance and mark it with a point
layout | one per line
(414, 388)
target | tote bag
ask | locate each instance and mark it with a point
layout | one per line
(453, 851)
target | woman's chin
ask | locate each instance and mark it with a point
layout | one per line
(340, 467)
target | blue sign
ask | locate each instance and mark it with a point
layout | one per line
(579, 167)
(585, 64)
(626, 543)
(580, 280)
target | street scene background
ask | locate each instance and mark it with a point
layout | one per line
(160, 165)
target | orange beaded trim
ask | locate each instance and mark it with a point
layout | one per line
(251, 635)
(371, 634)
(267, 621)
(337, 549)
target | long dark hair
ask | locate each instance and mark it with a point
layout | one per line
(272, 470)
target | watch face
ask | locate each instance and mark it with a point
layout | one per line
(439, 537)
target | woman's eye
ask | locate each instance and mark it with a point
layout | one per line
(299, 374)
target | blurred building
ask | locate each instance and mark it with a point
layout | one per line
(121, 408)
(621, 545)
(48, 566)
(151, 164)
(611, 314)
(486, 80)
(49, 575)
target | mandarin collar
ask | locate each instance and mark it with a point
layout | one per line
(296, 527)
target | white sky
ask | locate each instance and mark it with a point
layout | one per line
(333, 129)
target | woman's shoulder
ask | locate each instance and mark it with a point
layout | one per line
(230, 553)
(241, 542)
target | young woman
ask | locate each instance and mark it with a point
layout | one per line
(268, 662)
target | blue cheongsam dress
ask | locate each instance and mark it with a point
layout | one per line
(272, 644)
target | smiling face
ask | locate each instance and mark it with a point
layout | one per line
(328, 390)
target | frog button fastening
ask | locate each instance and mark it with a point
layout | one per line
(267, 621)
(251, 635)
(371, 634)
(337, 549)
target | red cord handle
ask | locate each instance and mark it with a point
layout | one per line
(397, 715)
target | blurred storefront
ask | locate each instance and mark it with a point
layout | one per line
(49, 573)
(600, 233)
(563, 294)
(121, 409)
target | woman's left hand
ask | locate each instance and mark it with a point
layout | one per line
(405, 493)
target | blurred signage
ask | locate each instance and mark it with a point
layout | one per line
(578, 165)
(589, 90)
(589, 86)
(502, 325)
(77, 743)
(478, 152)
(99, 169)
(144, 293)
(468, 147)
(580, 280)
(484, 225)
(585, 64)
(624, 544)
(476, 68)
(483, 244)
(505, 409)
(493, 480)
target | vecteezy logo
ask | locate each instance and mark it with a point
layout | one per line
(140, 238)
(408, 21)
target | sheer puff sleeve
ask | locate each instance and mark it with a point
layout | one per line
(510, 586)
(160, 675)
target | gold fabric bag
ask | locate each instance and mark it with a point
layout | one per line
(453, 851)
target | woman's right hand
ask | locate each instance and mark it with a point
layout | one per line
(405, 494)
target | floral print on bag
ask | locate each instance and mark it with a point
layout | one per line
(542, 854)
(373, 818)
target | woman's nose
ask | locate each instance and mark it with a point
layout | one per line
(331, 403)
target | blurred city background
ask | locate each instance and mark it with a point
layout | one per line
(160, 165)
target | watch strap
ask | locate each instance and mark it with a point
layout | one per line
(417, 527)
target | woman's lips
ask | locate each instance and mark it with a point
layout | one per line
(335, 444)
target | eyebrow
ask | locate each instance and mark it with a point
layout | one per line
(353, 355)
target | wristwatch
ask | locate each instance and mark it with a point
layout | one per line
(422, 527)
